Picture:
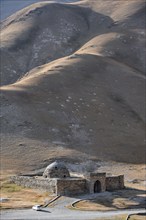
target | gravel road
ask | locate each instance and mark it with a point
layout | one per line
(59, 211)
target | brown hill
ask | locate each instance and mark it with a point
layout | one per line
(89, 104)
(44, 32)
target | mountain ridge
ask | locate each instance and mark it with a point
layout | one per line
(87, 103)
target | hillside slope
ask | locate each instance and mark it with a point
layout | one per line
(29, 41)
(87, 100)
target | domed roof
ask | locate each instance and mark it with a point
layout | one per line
(55, 165)
(56, 170)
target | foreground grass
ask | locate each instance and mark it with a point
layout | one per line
(136, 217)
(119, 217)
(20, 197)
(120, 199)
(123, 217)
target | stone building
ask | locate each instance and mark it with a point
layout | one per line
(96, 182)
(56, 179)
(56, 170)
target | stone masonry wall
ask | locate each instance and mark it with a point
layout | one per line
(71, 186)
(114, 182)
(48, 185)
(92, 178)
(56, 172)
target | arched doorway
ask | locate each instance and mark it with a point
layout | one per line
(97, 186)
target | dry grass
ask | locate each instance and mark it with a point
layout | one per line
(123, 217)
(122, 199)
(20, 197)
(136, 217)
(92, 206)
(119, 217)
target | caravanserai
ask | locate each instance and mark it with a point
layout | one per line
(56, 179)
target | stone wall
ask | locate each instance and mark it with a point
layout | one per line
(92, 178)
(114, 182)
(71, 186)
(48, 185)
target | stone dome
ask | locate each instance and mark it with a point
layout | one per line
(56, 170)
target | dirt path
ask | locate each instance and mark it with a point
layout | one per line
(59, 211)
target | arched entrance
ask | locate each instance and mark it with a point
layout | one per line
(97, 186)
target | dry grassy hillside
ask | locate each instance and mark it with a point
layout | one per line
(73, 79)
(44, 32)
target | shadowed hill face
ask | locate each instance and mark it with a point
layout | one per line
(114, 45)
(44, 32)
(125, 41)
(89, 104)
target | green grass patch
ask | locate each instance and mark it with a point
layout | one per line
(10, 187)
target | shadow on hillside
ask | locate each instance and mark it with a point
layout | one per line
(137, 19)
(58, 119)
(96, 24)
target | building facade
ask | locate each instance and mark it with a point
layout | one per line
(56, 179)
